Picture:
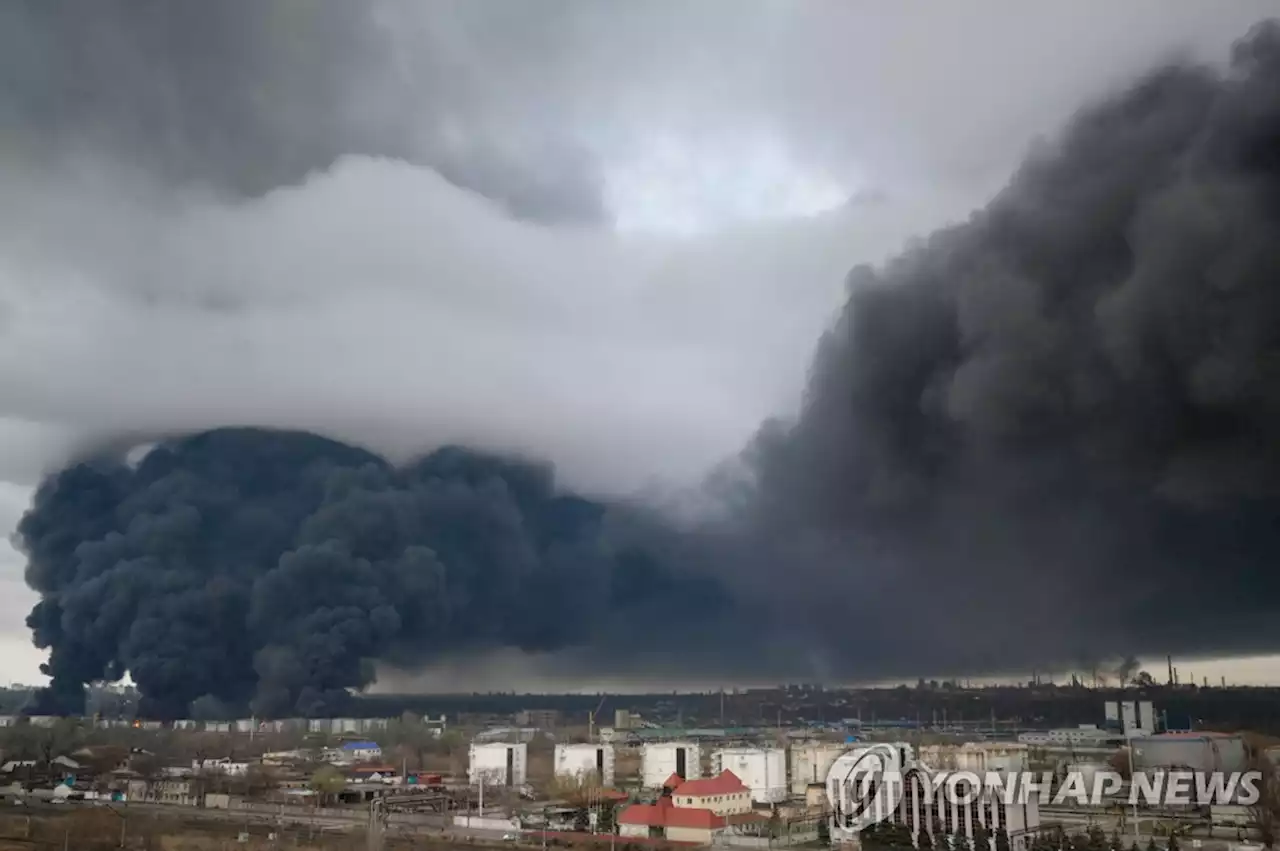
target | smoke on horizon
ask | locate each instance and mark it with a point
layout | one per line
(1048, 433)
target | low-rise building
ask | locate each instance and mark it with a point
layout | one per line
(724, 794)
(225, 765)
(362, 751)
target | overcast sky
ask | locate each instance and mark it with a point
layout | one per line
(608, 233)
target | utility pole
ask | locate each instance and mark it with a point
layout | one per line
(1133, 772)
(374, 835)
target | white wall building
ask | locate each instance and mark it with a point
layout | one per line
(810, 763)
(659, 760)
(586, 762)
(498, 763)
(762, 770)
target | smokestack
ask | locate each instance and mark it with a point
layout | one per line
(1170, 658)
(1224, 681)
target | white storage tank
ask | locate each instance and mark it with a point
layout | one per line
(1194, 751)
(659, 760)
(588, 763)
(498, 763)
(810, 763)
(762, 770)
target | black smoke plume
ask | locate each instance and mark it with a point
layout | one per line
(1049, 433)
(268, 568)
(1053, 431)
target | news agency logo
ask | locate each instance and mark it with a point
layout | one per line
(867, 787)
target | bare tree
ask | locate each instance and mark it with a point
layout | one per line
(1265, 813)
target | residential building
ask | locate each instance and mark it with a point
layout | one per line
(664, 820)
(161, 792)
(225, 765)
(362, 751)
(724, 794)
(675, 820)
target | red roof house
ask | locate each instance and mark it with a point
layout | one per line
(724, 783)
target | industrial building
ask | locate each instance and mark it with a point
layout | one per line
(586, 763)
(1130, 716)
(659, 760)
(810, 762)
(762, 770)
(498, 763)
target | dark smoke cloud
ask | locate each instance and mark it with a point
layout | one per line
(1054, 429)
(1046, 434)
(272, 568)
(240, 97)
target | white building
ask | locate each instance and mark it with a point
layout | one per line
(810, 763)
(586, 762)
(659, 760)
(762, 770)
(498, 763)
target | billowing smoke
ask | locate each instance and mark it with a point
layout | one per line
(1047, 433)
(268, 568)
(1055, 428)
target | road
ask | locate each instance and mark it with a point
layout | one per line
(403, 824)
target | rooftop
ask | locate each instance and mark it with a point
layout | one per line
(724, 783)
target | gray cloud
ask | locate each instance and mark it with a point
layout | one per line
(368, 221)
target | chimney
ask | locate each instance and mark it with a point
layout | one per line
(1170, 659)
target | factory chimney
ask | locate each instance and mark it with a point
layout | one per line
(1170, 658)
